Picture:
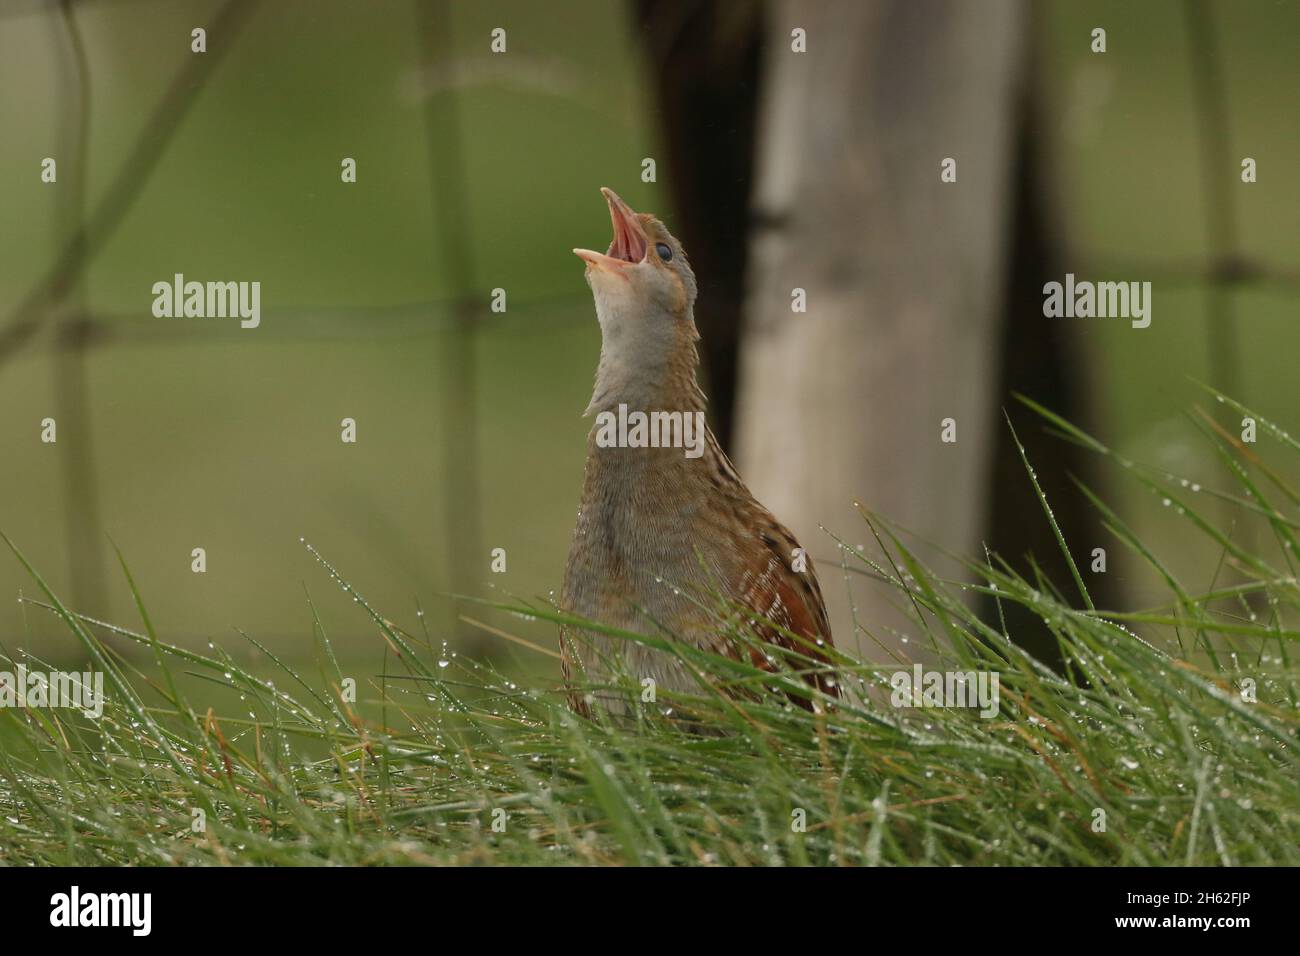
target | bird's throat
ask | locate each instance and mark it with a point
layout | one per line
(664, 384)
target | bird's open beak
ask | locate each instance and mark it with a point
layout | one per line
(629, 245)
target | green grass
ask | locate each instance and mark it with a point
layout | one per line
(1148, 727)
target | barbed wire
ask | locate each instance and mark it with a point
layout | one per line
(149, 147)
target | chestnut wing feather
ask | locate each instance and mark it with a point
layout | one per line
(787, 600)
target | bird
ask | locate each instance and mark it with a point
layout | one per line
(661, 528)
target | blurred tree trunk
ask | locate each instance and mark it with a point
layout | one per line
(1040, 360)
(903, 273)
(705, 63)
(704, 59)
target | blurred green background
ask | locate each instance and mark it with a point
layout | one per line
(207, 435)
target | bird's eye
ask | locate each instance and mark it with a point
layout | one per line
(664, 250)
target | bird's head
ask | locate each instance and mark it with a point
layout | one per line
(645, 295)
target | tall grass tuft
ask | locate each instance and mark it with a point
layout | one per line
(1169, 738)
